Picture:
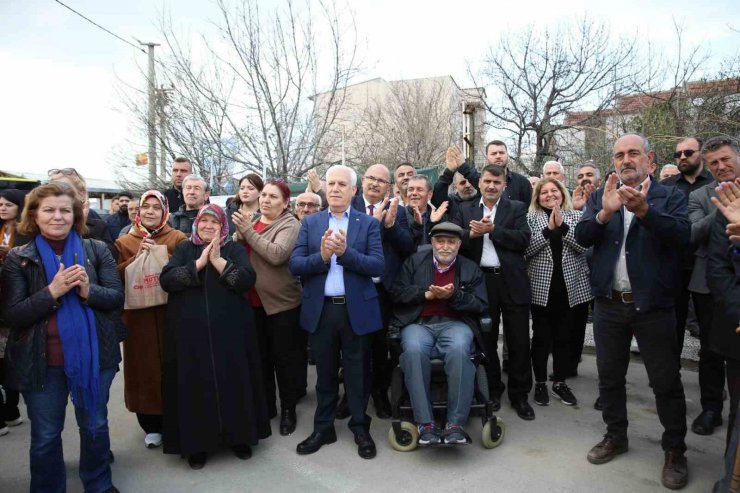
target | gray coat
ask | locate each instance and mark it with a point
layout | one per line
(702, 213)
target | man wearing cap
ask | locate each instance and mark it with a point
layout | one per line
(439, 298)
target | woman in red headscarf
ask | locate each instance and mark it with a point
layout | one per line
(212, 383)
(142, 349)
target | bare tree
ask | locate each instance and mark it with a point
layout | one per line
(539, 76)
(415, 122)
(239, 102)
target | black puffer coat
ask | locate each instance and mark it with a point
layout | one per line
(27, 306)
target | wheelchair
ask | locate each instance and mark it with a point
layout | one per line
(403, 434)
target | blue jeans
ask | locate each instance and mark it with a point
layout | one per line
(46, 409)
(451, 341)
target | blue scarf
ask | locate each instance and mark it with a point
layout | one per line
(76, 328)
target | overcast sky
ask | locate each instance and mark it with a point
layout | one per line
(59, 72)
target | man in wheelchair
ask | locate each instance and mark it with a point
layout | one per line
(438, 300)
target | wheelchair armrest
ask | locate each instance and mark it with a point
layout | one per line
(486, 324)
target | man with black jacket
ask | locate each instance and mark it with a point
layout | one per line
(637, 231)
(463, 175)
(119, 220)
(196, 192)
(495, 237)
(181, 167)
(439, 297)
(692, 176)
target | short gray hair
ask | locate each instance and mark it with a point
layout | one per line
(425, 179)
(715, 143)
(560, 167)
(645, 142)
(590, 164)
(342, 167)
(188, 178)
(667, 166)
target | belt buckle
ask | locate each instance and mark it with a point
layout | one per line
(628, 293)
(338, 300)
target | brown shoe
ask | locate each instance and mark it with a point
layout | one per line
(675, 470)
(610, 447)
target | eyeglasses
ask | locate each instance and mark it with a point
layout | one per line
(687, 153)
(62, 171)
(379, 181)
(307, 205)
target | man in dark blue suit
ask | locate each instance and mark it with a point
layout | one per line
(337, 254)
(398, 243)
(637, 231)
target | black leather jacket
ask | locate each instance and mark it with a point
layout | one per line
(27, 305)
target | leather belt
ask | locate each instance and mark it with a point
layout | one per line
(492, 270)
(622, 296)
(336, 300)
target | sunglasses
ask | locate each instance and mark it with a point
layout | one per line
(687, 153)
(62, 171)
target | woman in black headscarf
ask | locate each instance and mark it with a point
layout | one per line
(212, 384)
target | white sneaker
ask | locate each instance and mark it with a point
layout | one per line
(4, 430)
(633, 346)
(15, 422)
(153, 440)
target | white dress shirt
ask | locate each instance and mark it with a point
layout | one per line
(489, 257)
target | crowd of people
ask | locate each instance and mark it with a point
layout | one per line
(253, 291)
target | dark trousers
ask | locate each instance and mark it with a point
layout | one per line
(733, 385)
(334, 335)
(682, 308)
(551, 333)
(380, 362)
(614, 324)
(711, 364)
(281, 344)
(150, 423)
(516, 332)
(578, 335)
(8, 400)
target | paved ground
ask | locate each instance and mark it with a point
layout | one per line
(548, 454)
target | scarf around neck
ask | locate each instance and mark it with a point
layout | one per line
(77, 329)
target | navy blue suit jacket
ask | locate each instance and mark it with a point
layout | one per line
(654, 246)
(362, 260)
(398, 242)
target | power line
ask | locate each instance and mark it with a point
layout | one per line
(99, 26)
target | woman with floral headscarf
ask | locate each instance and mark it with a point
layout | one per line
(212, 383)
(142, 349)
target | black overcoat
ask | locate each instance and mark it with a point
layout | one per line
(211, 384)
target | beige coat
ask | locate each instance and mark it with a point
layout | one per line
(278, 289)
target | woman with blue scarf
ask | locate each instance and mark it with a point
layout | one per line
(62, 298)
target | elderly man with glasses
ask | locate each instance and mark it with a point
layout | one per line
(306, 204)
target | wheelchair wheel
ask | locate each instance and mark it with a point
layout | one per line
(493, 433)
(408, 440)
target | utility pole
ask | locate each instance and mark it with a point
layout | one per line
(152, 116)
(162, 100)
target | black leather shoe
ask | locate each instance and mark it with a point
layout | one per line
(705, 423)
(597, 404)
(197, 461)
(365, 445)
(523, 410)
(496, 402)
(342, 411)
(314, 442)
(382, 405)
(287, 421)
(244, 452)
